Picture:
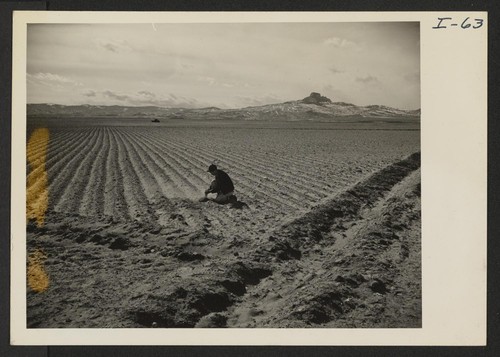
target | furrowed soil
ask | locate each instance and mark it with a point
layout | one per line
(326, 232)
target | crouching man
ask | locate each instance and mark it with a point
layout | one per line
(222, 186)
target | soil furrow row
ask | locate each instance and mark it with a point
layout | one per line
(163, 173)
(244, 186)
(114, 203)
(56, 157)
(305, 162)
(152, 189)
(59, 147)
(59, 154)
(321, 235)
(275, 169)
(248, 181)
(311, 227)
(134, 194)
(190, 182)
(93, 201)
(164, 146)
(370, 246)
(59, 143)
(183, 148)
(303, 232)
(265, 173)
(219, 221)
(74, 190)
(63, 170)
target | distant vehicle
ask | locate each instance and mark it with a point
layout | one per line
(155, 121)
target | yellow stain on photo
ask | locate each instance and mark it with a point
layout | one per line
(38, 279)
(37, 193)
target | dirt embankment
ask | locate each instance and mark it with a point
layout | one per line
(353, 261)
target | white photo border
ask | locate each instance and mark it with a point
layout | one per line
(454, 189)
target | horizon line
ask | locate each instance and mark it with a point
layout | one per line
(210, 106)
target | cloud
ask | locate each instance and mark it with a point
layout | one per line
(147, 94)
(335, 70)
(51, 79)
(339, 43)
(143, 97)
(114, 46)
(258, 100)
(113, 95)
(367, 79)
(213, 82)
(210, 80)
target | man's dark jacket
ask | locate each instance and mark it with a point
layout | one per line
(222, 183)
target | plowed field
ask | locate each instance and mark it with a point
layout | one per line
(125, 242)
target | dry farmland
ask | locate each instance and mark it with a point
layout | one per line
(326, 232)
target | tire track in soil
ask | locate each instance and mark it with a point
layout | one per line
(219, 298)
(75, 188)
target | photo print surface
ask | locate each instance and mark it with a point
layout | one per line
(223, 175)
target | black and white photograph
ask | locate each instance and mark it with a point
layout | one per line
(225, 175)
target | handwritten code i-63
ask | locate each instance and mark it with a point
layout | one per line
(467, 23)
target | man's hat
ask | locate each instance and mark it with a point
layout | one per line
(212, 168)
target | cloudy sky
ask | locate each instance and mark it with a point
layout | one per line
(223, 65)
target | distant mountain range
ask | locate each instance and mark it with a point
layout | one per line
(314, 107)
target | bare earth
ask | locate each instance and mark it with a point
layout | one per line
(326, 232)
